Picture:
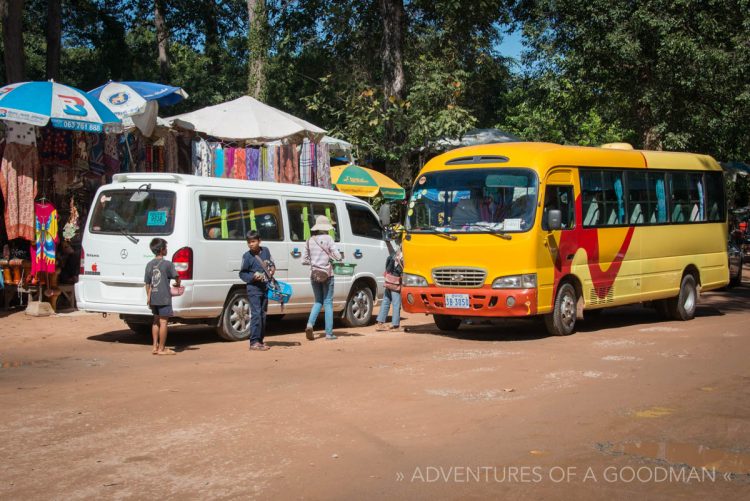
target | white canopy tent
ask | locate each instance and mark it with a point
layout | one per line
(247, 119)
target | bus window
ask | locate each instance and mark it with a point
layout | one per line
(559, 198)
(639, 201)
(715, 196)
(591, 193)
(681, 207)
(614, 201)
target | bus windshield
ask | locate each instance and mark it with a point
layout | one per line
(474, 200)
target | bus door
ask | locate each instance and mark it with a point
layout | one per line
(557, 247)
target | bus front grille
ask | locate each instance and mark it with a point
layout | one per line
(459, 277)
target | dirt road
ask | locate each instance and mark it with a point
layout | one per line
(627, 407)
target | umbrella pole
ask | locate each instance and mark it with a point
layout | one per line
(130, 155)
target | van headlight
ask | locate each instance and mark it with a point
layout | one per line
(410, 280)
(527, 281)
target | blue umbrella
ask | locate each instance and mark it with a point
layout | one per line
(38, 103)
(126, 99)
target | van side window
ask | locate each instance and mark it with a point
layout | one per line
(230, 218)
(264, 216)
(302, 217)
(364, 223)
(222, 218)
(560, 198)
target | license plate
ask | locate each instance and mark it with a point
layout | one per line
(457, 301)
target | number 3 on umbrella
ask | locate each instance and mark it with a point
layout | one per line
(74, 106)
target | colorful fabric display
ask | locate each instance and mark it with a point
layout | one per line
(323, 171)
(287, 167)
(253, 164)
(218, 159)
(18, 185)
(239, 169)
(55, 146)
(306, 159)
(46, 238)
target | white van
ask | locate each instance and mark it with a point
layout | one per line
(204, 221)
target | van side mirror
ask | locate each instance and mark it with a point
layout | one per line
(384, 214)
(554, 220)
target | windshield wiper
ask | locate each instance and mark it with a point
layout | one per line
(492, 230)
(129, 235)
(442, 233)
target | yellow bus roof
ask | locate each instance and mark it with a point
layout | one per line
(544, 156)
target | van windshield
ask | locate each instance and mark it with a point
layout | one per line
(136, 212)
(473, 200)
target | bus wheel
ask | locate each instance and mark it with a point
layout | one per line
(446, 322)
(234, 324)
(359, 306)
(562, 320)
(683, 306)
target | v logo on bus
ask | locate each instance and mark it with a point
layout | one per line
(588, 239)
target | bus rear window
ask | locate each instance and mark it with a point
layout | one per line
(145, 212)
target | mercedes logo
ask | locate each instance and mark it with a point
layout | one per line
(124, 253)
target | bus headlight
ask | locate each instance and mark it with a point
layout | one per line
(515, 282)
(410, 280)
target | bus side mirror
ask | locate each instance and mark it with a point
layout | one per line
(554, 220)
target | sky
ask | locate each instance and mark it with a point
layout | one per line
(511, 45)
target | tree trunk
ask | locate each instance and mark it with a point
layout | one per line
(392, 12)
(211, 32)
(54, 38)
(15, 59)
(394, 81)
(162, 39)
(257, 45)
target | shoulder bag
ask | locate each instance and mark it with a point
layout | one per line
(317, 274)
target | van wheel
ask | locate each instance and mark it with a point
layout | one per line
(683, 306)
(447, 322)
(359, 306)
(562, 320)
(140, 328)
(234, 324)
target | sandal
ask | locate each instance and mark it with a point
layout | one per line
(395, 328)
(259, 347)
(380, 327)
(166, 351)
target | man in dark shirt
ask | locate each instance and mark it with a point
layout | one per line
(257, 269)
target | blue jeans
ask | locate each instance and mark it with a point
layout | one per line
(258, 307)
(390, 298)
(323, 299)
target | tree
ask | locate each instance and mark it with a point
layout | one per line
(162, 39)
(676, 73)
(54, 36)
(258, 48)
(13, 48)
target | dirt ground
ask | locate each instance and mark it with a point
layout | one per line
(629, 406)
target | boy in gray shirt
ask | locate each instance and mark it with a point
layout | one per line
(159, 272)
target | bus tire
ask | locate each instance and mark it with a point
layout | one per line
(736, 280)
(139, 328)
(683, 306)
(447, 322)
(234, 323)
(359, 306)
(562, 320)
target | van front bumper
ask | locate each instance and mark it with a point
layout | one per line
(483, 302)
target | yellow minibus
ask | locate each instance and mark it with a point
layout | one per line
(524, 229)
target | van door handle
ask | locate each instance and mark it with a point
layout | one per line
(358, 254)
(296, 252)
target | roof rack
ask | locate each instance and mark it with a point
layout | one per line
(484, 159)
